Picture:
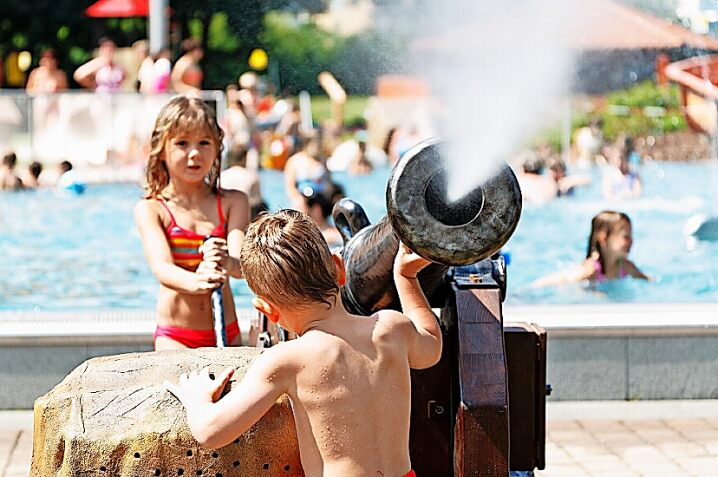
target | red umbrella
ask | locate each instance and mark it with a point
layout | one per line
(118, 8)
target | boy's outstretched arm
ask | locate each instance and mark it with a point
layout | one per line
(425, 343)
(216, 422)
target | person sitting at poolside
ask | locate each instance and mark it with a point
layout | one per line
(609, 243)
(9, 180)
(32, 178)
(347, 376)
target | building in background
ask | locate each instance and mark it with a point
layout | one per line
(701, 16)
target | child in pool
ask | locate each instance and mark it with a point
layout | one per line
(346, 375)
(183, 206)
(607, 256)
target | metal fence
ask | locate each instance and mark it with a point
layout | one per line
(85, 128)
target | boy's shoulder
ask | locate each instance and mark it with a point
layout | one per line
(285, 357)
(392, 323)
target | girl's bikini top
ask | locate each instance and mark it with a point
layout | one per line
(600, 277)
(184, 244)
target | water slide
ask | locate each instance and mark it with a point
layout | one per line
(697, 78)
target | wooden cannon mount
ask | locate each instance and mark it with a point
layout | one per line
(481, 410)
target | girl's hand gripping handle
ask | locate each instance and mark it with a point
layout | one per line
(220, 330)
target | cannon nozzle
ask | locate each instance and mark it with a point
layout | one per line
(450, 232)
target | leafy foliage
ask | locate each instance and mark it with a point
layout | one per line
(644, 109)
(646, 94)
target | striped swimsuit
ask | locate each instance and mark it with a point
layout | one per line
(185, 244)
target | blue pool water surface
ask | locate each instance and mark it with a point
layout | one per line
(82, 252)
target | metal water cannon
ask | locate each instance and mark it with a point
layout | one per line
(419, 213)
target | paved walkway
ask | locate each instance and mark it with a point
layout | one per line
(597, 439)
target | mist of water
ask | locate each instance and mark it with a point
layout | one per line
(497, 71)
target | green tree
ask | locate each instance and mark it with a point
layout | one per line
(38, 24)
(229, 30)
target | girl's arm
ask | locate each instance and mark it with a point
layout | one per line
(225, 254)
(237, 222)
(583, 272)
(634, 271)
(158, 254)
(215, 423)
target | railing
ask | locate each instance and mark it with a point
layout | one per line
(697, 78)
(85, 128)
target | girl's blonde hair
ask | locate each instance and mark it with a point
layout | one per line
(602, 225)
(179, 115)
(287, 261)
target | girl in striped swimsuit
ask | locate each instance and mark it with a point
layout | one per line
(191, 229)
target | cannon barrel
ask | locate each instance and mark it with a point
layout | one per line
(420, 215)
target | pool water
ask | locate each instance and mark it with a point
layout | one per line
(554, 237)
(82, 252)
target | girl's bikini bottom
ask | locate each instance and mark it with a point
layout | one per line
(195, 338)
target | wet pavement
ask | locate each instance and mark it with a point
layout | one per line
(588, 438)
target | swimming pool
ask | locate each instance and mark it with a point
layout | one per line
(82, 253)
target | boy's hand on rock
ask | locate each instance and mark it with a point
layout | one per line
(407, 263)
(200, 386)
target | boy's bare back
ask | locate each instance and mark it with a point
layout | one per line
(350, 395)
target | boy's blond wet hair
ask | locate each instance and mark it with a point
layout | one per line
(180, 115)
(287, 261)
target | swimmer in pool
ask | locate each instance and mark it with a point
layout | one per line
(609, 243)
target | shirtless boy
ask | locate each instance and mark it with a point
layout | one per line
(346, 375)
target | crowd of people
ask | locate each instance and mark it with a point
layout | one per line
(103, 73)
(544, 174)
(36, 176)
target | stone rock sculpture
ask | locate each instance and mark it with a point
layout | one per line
(112, 416)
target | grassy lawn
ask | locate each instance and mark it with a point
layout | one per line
(353, 109)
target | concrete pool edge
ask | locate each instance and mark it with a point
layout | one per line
(619, 319)
(653, 352)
